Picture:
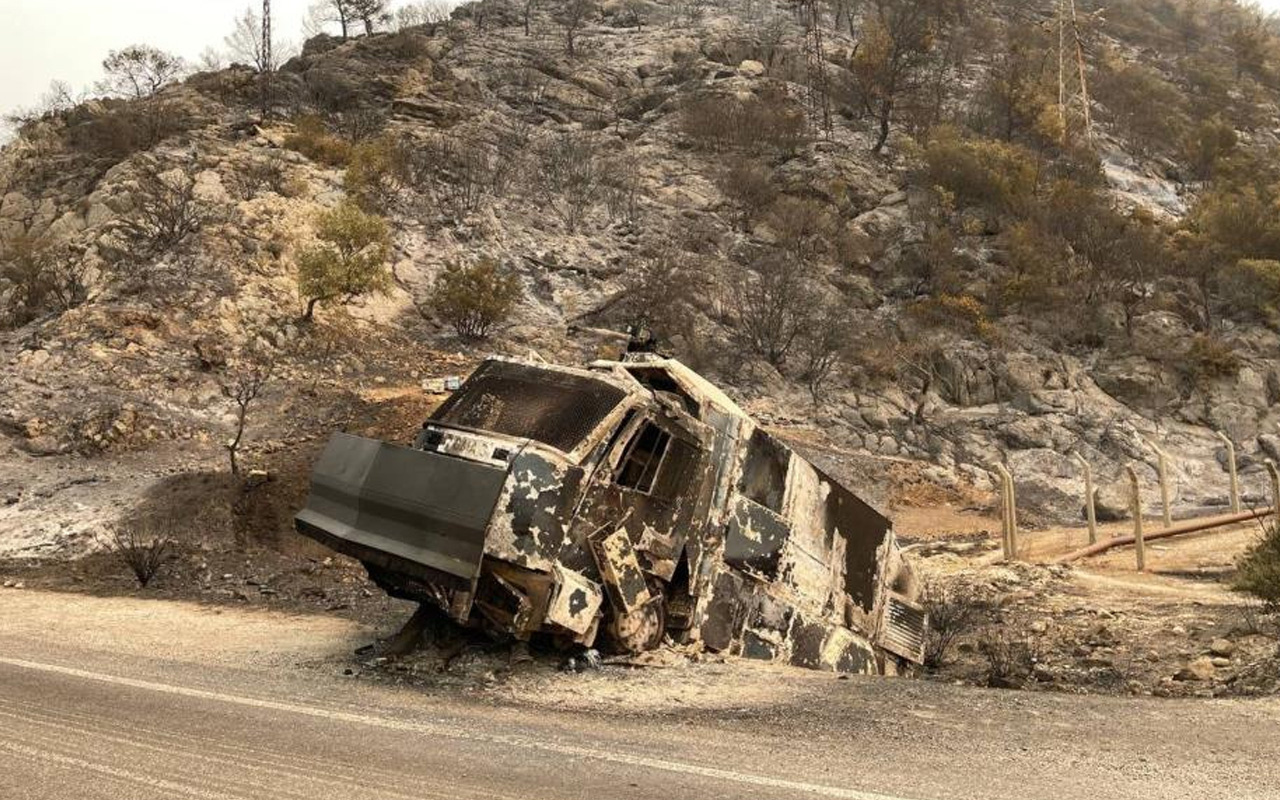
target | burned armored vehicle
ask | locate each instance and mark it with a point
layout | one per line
(618, 504)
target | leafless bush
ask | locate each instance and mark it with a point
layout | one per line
(1010, 660)
(953, 612)
(774, 304)
(748, 185)
(768, 122)
(332, 92)
(267, 174)
(569, 178)
(242, 385)
(801, 226)
(459, 174)
(142, 546)
(361, 124)
(1255, 619)
(38, 274)
(622, 188)
(824, 345)
(125, 127)
(524, 86)
(660, 292)
(685, 13)
(166, 211)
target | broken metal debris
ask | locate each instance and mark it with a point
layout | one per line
(621, 504)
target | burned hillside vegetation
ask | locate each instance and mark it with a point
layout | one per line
(616, 505)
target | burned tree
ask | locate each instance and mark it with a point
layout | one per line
(773, 302)
(570, 178)
(572, 16)
(369, 12)
(898, 44)
(139, 71)
(167, 210)
(242, 385)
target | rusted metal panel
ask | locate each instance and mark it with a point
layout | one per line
(575, 601)
(620, 571)
(755, 539)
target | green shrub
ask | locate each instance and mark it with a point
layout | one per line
(1258, 570)
(1251, 287)
(375, 171)
(477, 298)
(981, 172)
(1207, 144)
(312, 138)
(1209, 358)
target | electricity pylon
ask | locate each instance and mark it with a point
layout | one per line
(1068, 16)
(268, 60)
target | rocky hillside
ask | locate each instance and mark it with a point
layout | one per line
(870, 221)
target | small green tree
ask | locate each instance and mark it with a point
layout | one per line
(349, 260)
(476, 298)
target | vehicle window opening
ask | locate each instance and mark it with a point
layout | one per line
(764, 476)
(643, 458)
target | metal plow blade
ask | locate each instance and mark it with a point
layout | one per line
(431, 510)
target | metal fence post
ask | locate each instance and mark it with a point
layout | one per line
(1162, 470)
(1090, 513)
(1135, 500)
(1009, 513)
(1275, 486)
(1013, 513)
(1231, 469)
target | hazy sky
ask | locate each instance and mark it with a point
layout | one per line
(67, 39)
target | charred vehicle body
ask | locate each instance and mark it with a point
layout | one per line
(621, 503)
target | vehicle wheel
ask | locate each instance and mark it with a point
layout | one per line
(641, 630)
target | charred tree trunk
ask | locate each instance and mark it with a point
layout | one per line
(886, 117)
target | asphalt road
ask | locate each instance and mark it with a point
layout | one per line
(81, 718)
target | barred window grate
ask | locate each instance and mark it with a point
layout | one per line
(555, 408)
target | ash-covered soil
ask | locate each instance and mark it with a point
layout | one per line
(1092, 628)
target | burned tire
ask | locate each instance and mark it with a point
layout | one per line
(640, 631)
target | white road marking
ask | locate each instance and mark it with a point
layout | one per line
(648, 762)
(115, 772)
